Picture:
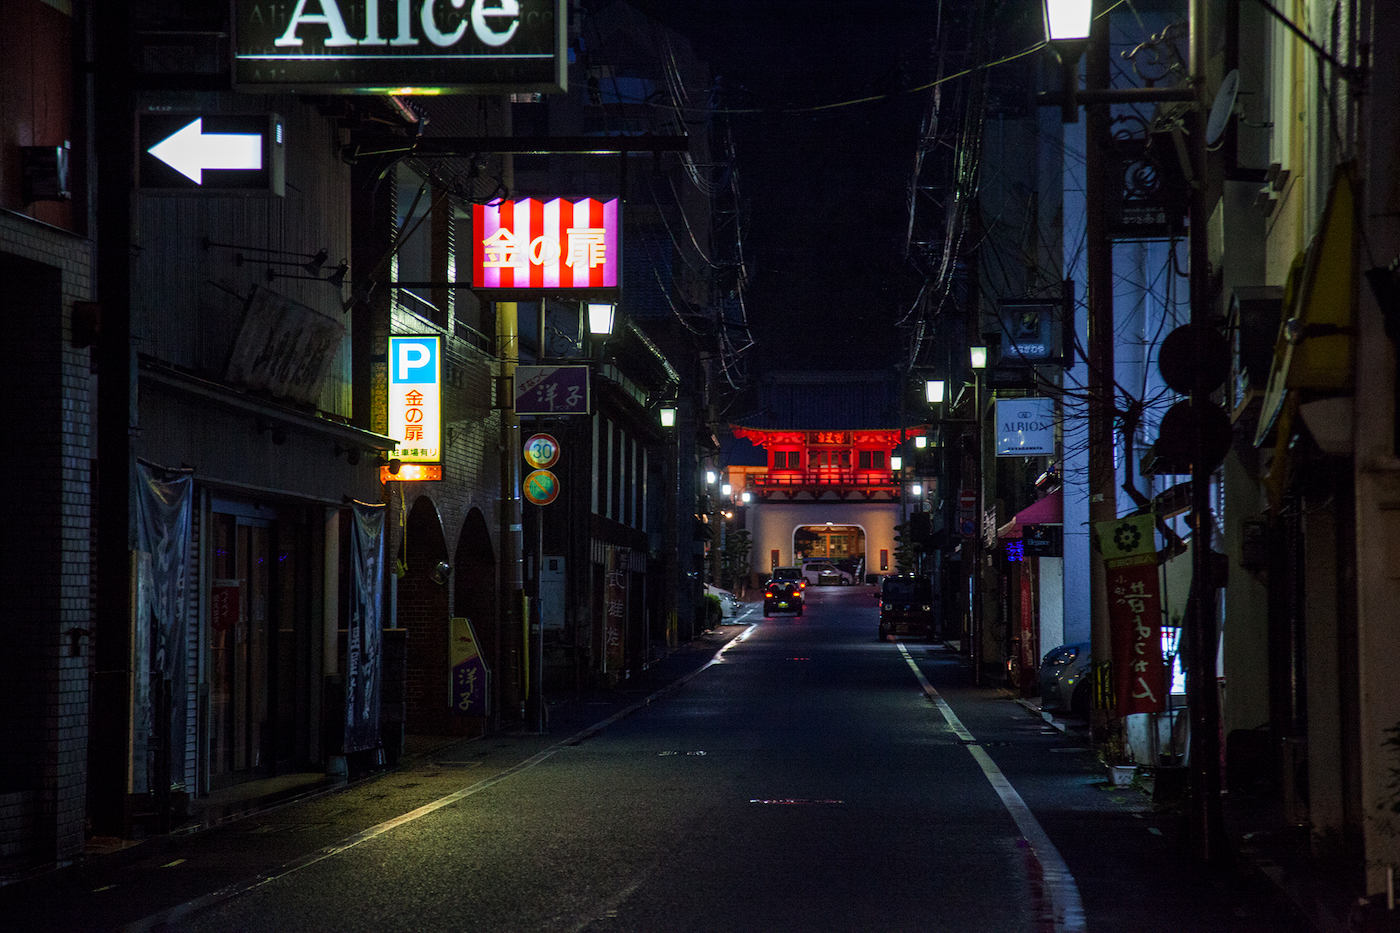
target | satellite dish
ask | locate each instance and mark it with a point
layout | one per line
(1223, 108)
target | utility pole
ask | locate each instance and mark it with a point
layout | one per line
(512, 613)
(1103, 496)
(1203, 697)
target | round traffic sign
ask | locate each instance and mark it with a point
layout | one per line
(541, 451)
(541, 487)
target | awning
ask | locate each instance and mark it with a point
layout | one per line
(1047, 511)
(1315, 343)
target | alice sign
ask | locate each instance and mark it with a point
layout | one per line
(1025, 427)
(401, 46)
(546, 246)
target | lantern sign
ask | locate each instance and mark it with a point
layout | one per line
(546, 247)
(541, 451)
(415, 399)
(541, 487)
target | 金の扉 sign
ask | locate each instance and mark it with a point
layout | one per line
(1025, 427)
(401, 46)
(546, 246)
(415, 397)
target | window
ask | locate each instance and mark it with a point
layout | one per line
(872, 459)
(787, 460)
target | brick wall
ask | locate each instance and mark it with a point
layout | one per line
(45, 558)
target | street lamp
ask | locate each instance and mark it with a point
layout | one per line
(710, 477)
(933, 391)
(668, 415)
(921, 441)
(1068, 20)
(726, 490)
(600, 318)
(896, 462)
(977, 357)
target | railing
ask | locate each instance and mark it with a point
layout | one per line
(825, 477)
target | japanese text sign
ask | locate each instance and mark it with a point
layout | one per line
(1134, 613)
(468, 691)
(415, 397)
(551, 390)
(554, 245)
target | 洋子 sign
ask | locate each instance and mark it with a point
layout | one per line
(400, 46)
(1025, 427)
(415, 397)
(546, 247)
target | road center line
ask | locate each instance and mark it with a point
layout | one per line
(1066, 908)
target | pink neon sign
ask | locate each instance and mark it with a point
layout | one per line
(534, 244)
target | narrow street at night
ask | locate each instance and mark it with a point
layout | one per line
(799, 775)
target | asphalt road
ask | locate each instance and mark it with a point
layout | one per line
(809, 778)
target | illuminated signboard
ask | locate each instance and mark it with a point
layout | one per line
(415, 403)
(546, 246)
(401, 46)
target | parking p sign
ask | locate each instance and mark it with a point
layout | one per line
(415, 397)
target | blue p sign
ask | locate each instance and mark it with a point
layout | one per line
(413, 360)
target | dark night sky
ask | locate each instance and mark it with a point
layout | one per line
(825, 185)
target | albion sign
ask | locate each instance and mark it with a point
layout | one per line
(401, 46)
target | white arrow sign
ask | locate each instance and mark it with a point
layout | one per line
(190, 151)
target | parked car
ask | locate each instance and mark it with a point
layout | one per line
(1064, 678)
(782, 596)
(790, 573)
(906, 605)
(728, 602)
(823, 573)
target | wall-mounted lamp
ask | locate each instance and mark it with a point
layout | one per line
(600, 318)
(977, 356)
(336, 277)
(668, 415)
(933, 391)
(440, 572)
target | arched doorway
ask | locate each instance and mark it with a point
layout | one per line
(423, 611)
(842, 545)
(474, 598)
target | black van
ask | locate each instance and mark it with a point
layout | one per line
(906, 605)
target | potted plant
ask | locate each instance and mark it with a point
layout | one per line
(1117, 758)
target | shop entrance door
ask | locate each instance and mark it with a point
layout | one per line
(241, 650)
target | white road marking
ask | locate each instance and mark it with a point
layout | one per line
(165, 917)
(1067, 910)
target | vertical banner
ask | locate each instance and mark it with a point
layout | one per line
(469, 693)
(614, 607)
(164, 501)
(363, 654)
(1134, 613)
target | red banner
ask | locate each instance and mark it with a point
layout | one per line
(1135, 623)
